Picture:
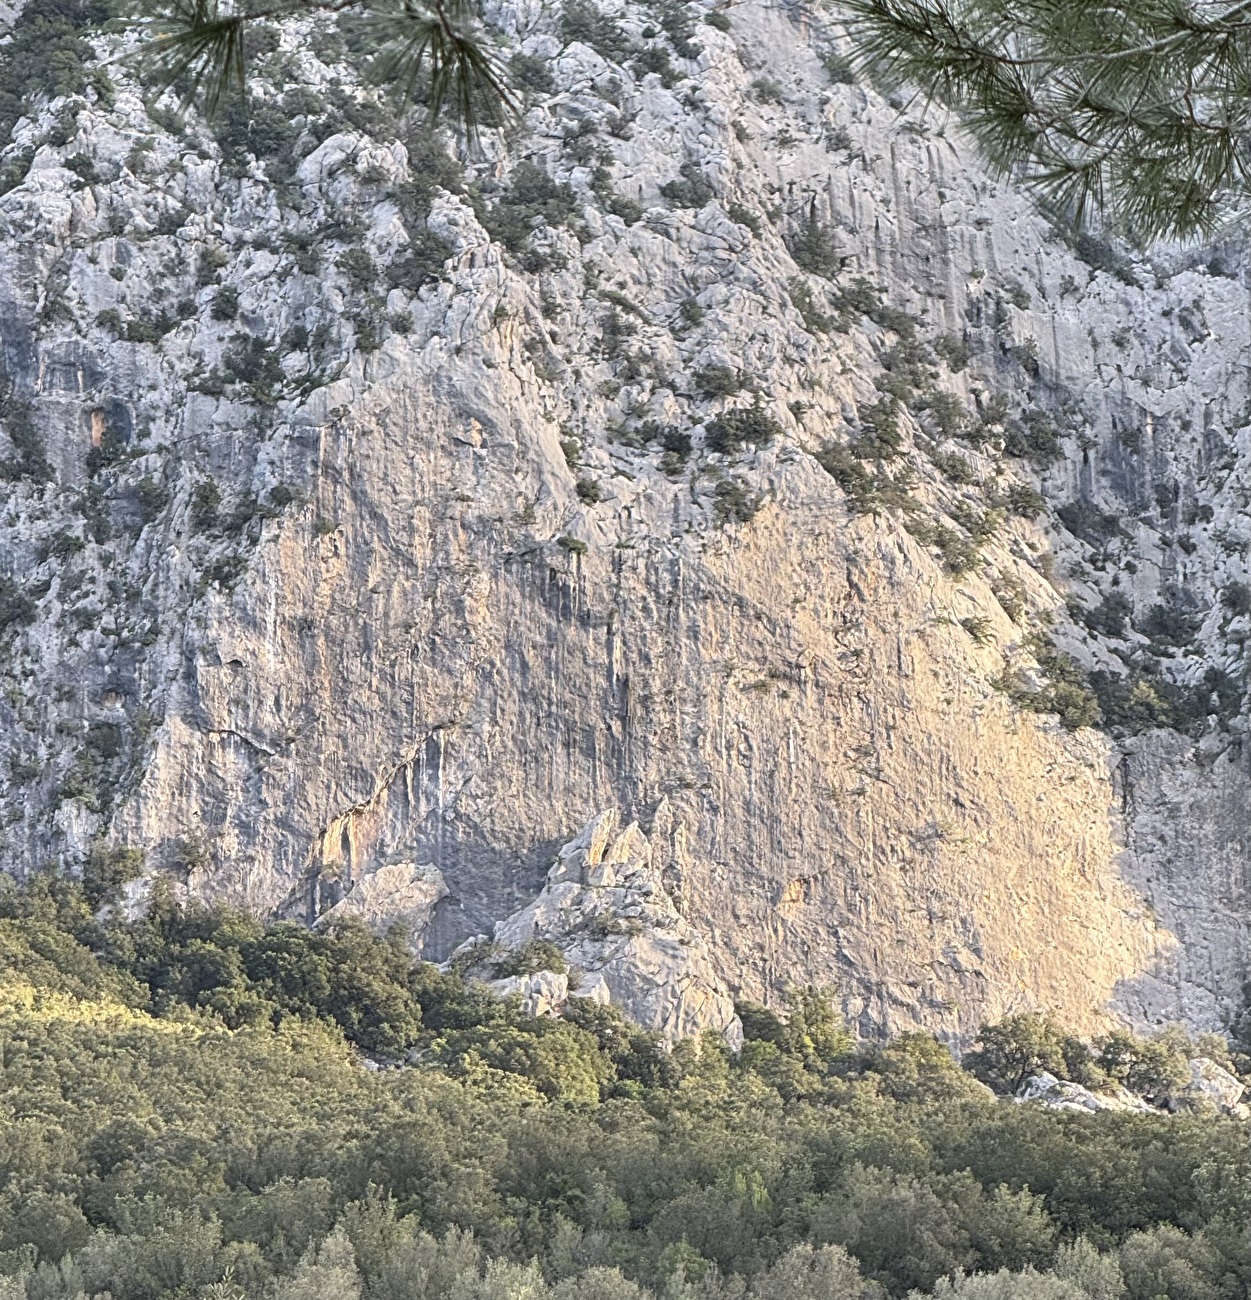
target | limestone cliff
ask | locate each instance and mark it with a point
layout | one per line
(606, 908)
(725, 437)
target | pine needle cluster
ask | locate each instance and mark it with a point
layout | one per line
(1134, 111)
(429, 49)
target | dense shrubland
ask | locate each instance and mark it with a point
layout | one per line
(193, 1106)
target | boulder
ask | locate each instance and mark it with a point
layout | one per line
(403, 893)
(543, 993)
(1045, 1089)
(1210, 1086)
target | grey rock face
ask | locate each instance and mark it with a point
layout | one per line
(542, 993)
(1211, 1086)
(606, 907)
(397, 893)
(398, 567)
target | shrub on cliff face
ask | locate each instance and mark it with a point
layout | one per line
(16, 607)
(655, 58)
(30, 459)
(531, 199)
(717, 381)
(537, 955)
(582, 21)
(254, 364)
(1174, 621)
(880, 437)
(420, 263)
(225, 303)
(1139, 700)
(867, 492)
(1236, 598)
(1068, 691)
(48, 56)
(732, 503)
(248, 129)
(1036, 437)
(955, 351)
(529, 72)
(692, 189)
(731, 431)
(815, 247)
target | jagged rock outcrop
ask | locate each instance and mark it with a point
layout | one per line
(1044, 1089)
(360, 511)
(606, 908)
(1209, 1087)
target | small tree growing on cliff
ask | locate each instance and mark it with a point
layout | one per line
(1152, 1067)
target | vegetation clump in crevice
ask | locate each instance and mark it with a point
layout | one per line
(530, 200)
(815, 247)
(960, 553)
(1139, 700)
(99, 768)
(17, 607)
(531, 73)
(248, 128)
(718, 381)
(733, 503)
(678, 24)
(692, 189)
(29, 459)
(1102, 254)
(731, 431)
(868, 491)
(1085, 520)
(656, 59)
(1066, 689)
(615, 204)
(532, 957)
(582, 21)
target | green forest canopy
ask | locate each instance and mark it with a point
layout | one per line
(186, 1112)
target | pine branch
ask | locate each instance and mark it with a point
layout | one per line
(193, 40)
(1136, 110)
(196, 42)
(461, 70)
